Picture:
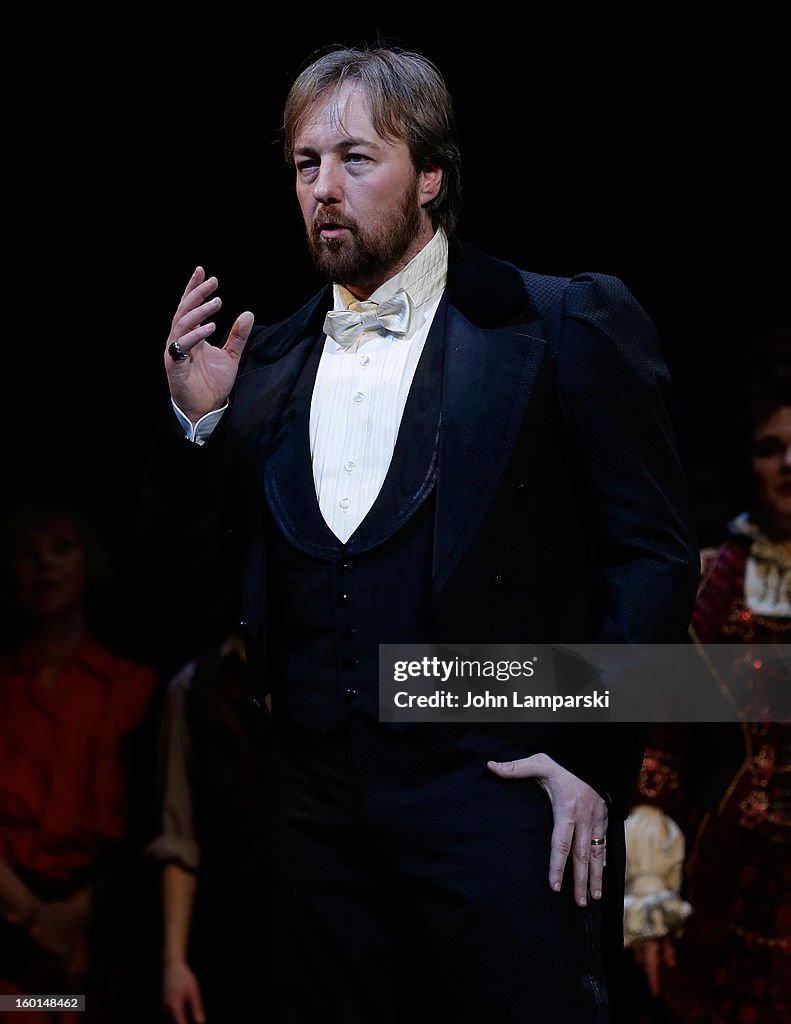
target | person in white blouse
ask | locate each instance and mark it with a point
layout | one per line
(426, 451)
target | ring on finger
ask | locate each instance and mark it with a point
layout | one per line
(176, 352)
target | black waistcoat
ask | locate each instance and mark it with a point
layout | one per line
(332, 603)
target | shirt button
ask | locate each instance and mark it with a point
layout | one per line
(500, 581)
(344, 599)
(359, 397)
(345, 504)
(349, 632)
(351, 663)
(344, 568)
(351, 693)
(364, 360)
(348, 466)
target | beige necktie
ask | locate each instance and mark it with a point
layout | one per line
(392, 316)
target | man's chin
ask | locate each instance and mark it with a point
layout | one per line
(334, 258)
(332, 243)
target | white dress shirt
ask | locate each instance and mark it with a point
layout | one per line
(360, 393)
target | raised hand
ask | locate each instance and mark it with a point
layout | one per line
(201, 375)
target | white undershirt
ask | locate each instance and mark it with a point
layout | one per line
(359, 396)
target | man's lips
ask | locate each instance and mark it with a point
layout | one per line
(331, 230)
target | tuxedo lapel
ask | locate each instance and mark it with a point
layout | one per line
(487, 383)
(274, 360)
(263, 395)
(491, 364)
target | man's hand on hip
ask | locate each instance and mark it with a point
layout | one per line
(580, 819)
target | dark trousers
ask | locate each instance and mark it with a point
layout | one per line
(413, 885)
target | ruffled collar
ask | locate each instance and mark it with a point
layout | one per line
(767, 577)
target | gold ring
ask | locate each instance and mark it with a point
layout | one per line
(598, 842)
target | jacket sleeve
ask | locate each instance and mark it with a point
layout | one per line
(614, 395)
(185, 536)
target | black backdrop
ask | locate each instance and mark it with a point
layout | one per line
(648, 151)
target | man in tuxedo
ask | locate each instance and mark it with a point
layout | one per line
(437, 447)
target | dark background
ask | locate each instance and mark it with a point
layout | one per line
(650, 151)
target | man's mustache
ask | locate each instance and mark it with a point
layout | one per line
(325, 220)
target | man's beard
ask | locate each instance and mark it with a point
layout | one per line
(366, 256)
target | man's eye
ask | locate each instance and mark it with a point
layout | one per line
(356, 158)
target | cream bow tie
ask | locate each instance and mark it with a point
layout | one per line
(393, 315)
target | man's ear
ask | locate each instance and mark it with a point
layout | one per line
(430, 183)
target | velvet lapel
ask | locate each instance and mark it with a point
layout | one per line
(273, 362)
(491, 362)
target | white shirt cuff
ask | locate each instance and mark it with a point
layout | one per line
(200, 432)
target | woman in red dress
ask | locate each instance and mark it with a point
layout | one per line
(708, 906)
(70, 710)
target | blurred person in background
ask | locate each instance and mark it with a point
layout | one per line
(213, 847)
(708, 890)
(72, 714)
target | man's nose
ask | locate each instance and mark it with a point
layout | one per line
(787, 458)
(327, 186)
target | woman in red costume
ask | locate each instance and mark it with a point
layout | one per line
(69, 711)
(708, 906)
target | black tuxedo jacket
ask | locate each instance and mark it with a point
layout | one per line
(562, 513)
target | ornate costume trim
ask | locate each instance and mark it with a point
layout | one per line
(767, 579)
